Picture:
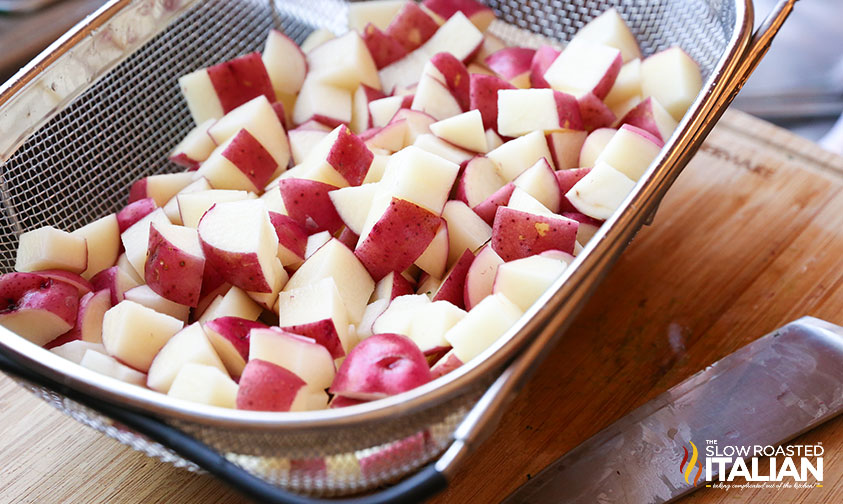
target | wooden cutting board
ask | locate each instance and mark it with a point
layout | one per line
(749, 238)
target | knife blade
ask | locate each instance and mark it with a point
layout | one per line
(763, 394)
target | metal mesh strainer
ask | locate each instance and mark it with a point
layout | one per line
(101, 108)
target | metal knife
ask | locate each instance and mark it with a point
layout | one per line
(764, 394)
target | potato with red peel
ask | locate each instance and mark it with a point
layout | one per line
(175, 263)
(265, 386)
(230, 338)
(480, 15)
(453, 285)
(381, 365)
(517, 234)
(411, 27)
(51, 248)
(484, 97)
(384, 49)
(37, 308)
(308, 203)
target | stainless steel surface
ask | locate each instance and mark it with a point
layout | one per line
(106, 125)
(766, 393)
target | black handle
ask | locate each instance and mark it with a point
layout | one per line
(416, 488)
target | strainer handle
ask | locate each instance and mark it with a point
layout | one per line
(416, 488)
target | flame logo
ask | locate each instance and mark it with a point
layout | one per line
(690, 467)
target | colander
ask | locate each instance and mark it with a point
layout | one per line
(101, 108)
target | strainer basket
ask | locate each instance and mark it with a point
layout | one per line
(100, 108)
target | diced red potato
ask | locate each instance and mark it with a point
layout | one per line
(630, 151)
(378, 13)
(525, 202)
(380, 366)
(384, 48)
(487, 209)
(391, 286)
(397, 238)
(218, 89)
(463, 130)
(453, 285)
(445, 364)
(517, 234)
(600, 192)
(175, 263)
(316, 311)
(565, 147)
(517, 155)
(309, 204)
(134, 212)
(524, 280)
(285, 63)
(337, 261)
(539, 181)
(450, 71)
(116, 280)
(673, 78)
(587, 226)
(48, 248)
(595, 114)
(88, 327)
(190, 345)
(610, 29)
(493, 140)
(484, 97)
(144, 295)
(482, 326)
(513, 64)
(383, 110)
(322, 102)
(210, 297)
(418, 123)
(344, 62)
(390, 138)
(434, 259)
(566, 180)
(457, 36)
(134, 333)
(75, 350)
(542, 59)
(265, 386)
(521, 111)
(445, 150)
(234, 303)
(203, 384)
(160, 187)
(303, 140)
(466, 230)
(230, 338)
(303, 356)
(480, 276)
(193, 205)
(292, 238)
(240, 163)
(361, 117)
(195, 147)
(240, 243)
(651, 117)
(584, 67)
(109, 366)
(38, 308)
(171, 208)
(82, 286)
(434, 98)
(479, 180)
(411, 27)
(479, 14)
(627, 85)
(594, 144)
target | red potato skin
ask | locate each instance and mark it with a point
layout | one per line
(308, 203)
(400, 286)
(484, 97)
(281, 114)
(565, 147)
(71, 335)
(342, 402)
(20, 291)
(384, 49)
(566, 180)
(489, 207)
(134, 212)
(464, 180)
(510, 62)
(456, 76)
(240, 80)
(605, 85)
(542, 59)
(350, 157)
(251, 158)
(265, 386)
(383, 460)
(348, 238)
(644, 133)
(82, 311)
(114, 280)
(171, 272)
(323, 331)
(399, 363)
(411, 27)
(308, 468)
(641, 116)
(453, 286)
(517, 234)
(473, 10)
(568, 111)
(138, 189)
(290, 233)
(445, 365)
(180, 159)
(236, 330)
(595, 114)
(82, 286)
(397, 239)
(583, 219)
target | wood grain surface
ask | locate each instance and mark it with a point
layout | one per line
(749, 238)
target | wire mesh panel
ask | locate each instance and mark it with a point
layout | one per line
(79, 166)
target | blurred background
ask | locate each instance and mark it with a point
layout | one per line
(798, 86)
